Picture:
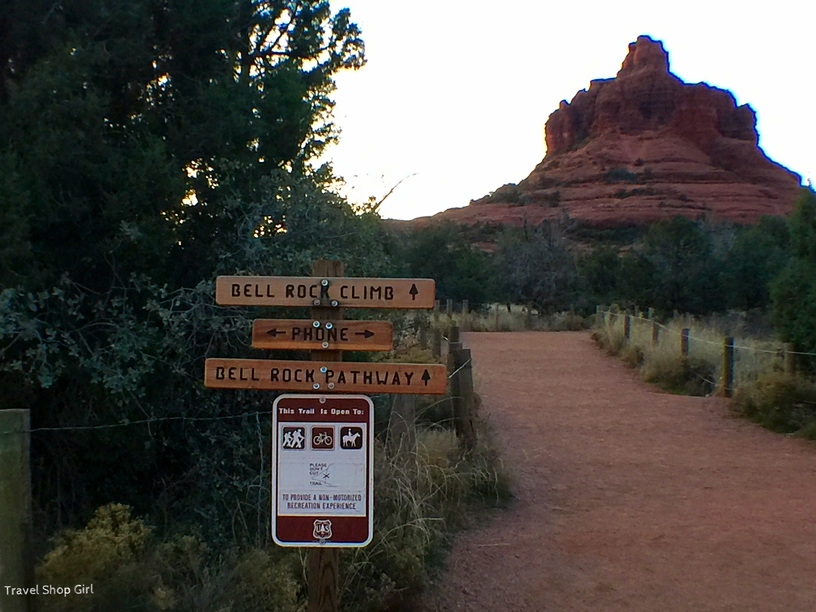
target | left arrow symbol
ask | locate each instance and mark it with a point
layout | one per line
(275, 332)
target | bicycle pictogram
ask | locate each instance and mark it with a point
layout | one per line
(322, 438)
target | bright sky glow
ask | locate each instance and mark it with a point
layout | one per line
(455, 94)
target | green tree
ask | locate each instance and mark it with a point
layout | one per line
(600, 273)
(793, 291)
(146, 147)
(445, 253)
(535, 265)
(685, 267)
(756, 256)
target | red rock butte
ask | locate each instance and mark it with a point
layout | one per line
(641, 147)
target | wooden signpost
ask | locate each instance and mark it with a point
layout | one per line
(334, 292)
(326, 377)
(326, 334)
(322, 335)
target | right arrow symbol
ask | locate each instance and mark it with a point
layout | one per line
(426, 377)
(365, 334)
(413, 291)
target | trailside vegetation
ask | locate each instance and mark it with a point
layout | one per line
(145, 148)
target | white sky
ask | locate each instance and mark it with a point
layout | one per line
(457, 92)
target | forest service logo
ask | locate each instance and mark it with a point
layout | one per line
(322, 529)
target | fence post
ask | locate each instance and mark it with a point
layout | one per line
(728, 366)
(449, 307)
(790, 358)
(462, 395)
(627, 326)
(650, 314)
(684, 342)
(465, 316)
(497, 317)
(655, 333)
(529, 319)
(436, 342)
(453, 335)
(16, 561)
(436, 306)
(423, 337)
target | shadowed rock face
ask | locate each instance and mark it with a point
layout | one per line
(646, 146)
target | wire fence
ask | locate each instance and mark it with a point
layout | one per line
(733, 361)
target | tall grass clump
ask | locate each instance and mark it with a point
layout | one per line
(700, 372)
(781, 402)
(422, 497)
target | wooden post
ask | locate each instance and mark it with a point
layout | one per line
(449, 307)
(465, 309)
(423, 337)
(436, 342)
(324, 563)
(465, 316)
(16, 561)
(728, 367)
(529, 321)
(436, 306)
(655, 333)
(684, 342)
(462, 396)
(453, 335)
(627, 326)
(497, 317)
(650, 314)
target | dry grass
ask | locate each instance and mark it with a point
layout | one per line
(663, 364)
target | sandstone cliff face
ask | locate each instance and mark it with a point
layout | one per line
(646, 146)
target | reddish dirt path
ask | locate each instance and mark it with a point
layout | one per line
(628, 498)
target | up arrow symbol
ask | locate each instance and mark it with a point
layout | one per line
(413, 291)
(426, 377)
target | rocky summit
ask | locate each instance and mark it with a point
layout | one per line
(641, 147)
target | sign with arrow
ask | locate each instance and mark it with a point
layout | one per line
(326, 376)
(332, 292)
(322, 335)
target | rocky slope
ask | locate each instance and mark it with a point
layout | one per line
(641, 147)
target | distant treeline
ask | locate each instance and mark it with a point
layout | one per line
(696, 267)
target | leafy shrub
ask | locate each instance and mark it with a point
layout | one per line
(116, 554)
(780, 402)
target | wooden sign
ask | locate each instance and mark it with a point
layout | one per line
(326, 376)
(404, 293)
(322, 335)
(322, 476)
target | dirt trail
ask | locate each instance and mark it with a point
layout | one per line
(629, 498)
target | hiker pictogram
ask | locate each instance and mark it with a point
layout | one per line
(293, 438)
